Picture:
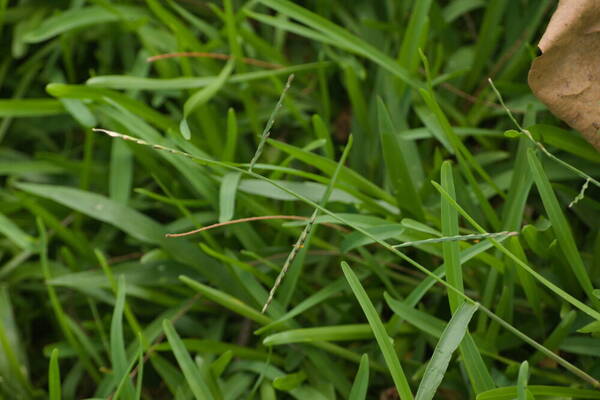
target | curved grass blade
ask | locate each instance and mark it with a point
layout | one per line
(227, 301)
(79, 17)
(381, 335)
(202, 96)
(361, 381)
(560, 226)
(320, 334)
(290, 381)
(123, 82)
(449, 341)
(128, 220)
(190, 370)
(15, 234)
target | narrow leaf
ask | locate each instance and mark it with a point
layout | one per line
(227, 194)
(188, 367)
(361, 381)
(381, 335)
(449, 341)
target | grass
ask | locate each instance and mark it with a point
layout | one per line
(386, 224)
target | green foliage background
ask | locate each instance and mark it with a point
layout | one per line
(95, 301)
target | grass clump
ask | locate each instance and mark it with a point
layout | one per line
(365, 231)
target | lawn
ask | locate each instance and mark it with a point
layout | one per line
(269, 199)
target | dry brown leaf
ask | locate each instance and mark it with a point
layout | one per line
(566, 77)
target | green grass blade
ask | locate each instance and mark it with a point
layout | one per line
(418, 292)
(54, 385)
(522, 381)
(532, 291)
(184, 35)
(450, 228)
(347, 175)
(422, 320)
(557, 336)
(413, 37)
(121, 173)
(480, 376)
(30, 108)
(232, 136)
(290, 381)
(396, 167)
(218, 366)
(320, 334)
(57, 306)
(227, 301)
(118, 353)
(342, 38)
(190, 370)
(487, 39)
(560, 226)
(124, 82)
(202, 96)
(361, 381)
(125, 383)
(509, 393)
(565, 140)
(476, 368)
(322, 132)
(140, 370)
(467, 162)
(337, 286)
(79, 17)
(96, 206)
(459, 7)
(381, 335)
(80, 112)
(15, 234)
(449, 341)
(127, 219)
(227, 194)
